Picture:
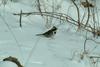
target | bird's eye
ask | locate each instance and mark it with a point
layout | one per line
(54, 32)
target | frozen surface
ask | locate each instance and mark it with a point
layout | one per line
(64, 50)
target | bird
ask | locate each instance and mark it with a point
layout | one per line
(50, 33)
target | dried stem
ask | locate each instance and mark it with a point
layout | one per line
(14, 60)
(57, 16)
(85, 45)
(20, 20)
(94, 56)
(39, 7)
(88, 14)
(78, 13)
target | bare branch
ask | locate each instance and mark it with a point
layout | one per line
(78, 13)
(88, 14)
(20, 20)
(39, 7)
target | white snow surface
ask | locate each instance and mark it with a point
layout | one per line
(64, 50)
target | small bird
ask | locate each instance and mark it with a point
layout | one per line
(50, 33)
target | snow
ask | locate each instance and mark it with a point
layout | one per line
(7, 64)
(64, 50)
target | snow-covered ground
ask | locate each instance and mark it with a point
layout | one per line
(64, 50)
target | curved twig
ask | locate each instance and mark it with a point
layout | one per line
(78, 13)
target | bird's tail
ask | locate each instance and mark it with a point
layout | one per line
(38, 34)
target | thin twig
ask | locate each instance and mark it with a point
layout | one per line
(94, 56)
(83, 17)
(88, 14)
(78, 13)
(57, 16)
(20, 20)
(39, 7)
(85, 45)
